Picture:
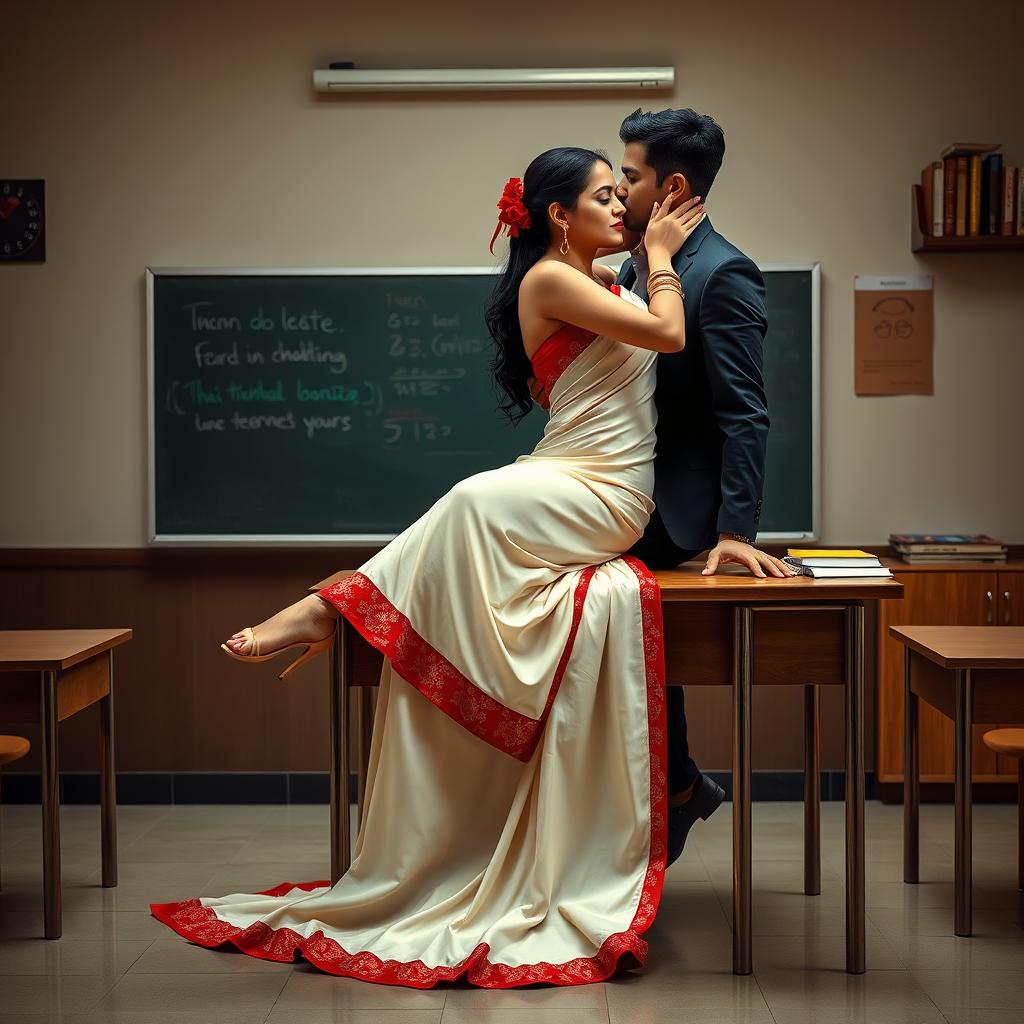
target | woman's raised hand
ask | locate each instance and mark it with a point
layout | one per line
(668, 228)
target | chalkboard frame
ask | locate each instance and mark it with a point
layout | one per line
(362, 540)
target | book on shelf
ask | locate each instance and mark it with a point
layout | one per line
(971, 191)
(1019, 218)
(835, 563)
(974, 195)
(961, 195)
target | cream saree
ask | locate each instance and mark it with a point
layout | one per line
(515, 818)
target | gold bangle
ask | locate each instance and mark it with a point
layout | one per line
(664, 288)
(662, 275)
(665, 283)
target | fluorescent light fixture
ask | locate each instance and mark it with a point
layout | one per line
(491, 79)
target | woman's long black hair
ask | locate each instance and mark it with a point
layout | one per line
(557, 176)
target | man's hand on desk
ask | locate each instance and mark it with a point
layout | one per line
(729, 549)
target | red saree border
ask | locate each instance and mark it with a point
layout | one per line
(201, 925)
(383, 626)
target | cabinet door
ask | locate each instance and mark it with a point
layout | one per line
(937, 599)
(1010, 599)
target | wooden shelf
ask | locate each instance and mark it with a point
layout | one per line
(921, 242)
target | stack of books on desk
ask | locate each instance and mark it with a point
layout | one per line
(834, 563)
(917, 548)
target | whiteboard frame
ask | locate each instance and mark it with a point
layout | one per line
(350, 540)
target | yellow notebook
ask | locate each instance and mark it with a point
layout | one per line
(828, 553)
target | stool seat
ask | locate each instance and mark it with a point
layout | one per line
(1006, 741)
(13, 747)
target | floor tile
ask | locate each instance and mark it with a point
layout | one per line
(309, 989)
(70, 956)
(61, 993)
(522, 1015)
(211, 993)
(974, 987)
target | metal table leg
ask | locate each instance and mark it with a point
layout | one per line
(812, 793)
(51, 804)
(962, 800)
(911, 776)
(855, 942)
(108, 783)
(339, 682)
(743, 671)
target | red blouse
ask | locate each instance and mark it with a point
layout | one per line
(558, 350)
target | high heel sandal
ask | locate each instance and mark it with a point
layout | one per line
(312, 650)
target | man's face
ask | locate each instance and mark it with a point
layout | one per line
(638, 189)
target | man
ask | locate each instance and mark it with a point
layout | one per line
(712, 414)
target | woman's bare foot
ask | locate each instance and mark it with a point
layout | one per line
(304, 622)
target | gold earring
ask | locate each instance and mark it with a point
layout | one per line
(564, 247)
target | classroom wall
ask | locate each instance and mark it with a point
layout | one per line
(188, 134)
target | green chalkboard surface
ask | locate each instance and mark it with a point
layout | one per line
(337, 405)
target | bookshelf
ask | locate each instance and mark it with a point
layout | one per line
(922, 242)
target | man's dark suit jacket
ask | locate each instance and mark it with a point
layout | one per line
(712, 413)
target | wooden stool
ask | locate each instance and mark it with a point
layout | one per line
(1011, 743)
(11, 748)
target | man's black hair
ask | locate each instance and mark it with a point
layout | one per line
(678, 141)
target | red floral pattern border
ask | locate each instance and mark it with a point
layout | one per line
(201, 925)
(364, 605)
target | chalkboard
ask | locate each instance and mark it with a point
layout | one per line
(310, 405)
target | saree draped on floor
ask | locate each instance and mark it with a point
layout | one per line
(515, 811)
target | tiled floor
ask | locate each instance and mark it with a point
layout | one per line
(116, 963)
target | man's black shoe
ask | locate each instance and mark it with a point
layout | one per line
(707, 795)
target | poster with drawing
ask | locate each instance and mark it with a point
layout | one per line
(892, 335)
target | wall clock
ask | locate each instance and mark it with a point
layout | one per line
(22, 221)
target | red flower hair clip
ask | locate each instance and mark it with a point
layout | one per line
(511, 211)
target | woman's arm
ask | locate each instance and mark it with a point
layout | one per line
(556, 291)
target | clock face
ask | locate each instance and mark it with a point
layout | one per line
(22, 228)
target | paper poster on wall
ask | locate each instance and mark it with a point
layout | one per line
(892, 335)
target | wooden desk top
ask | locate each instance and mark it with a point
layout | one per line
(48, 650)
(965, 646)
(735, 583)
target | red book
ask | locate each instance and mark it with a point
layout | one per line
(949, 196)
(1009, 182)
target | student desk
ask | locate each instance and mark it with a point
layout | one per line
(46, 676)
(971, 674)
(808, 631)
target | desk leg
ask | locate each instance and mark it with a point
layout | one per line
(51, 804)
(812, 793)
(743, 672)
(340, 825)
(855, 943)
(962, 799)
(108, 782)
(911, 776)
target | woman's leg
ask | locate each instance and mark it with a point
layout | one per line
(306, 621)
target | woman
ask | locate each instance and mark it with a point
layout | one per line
(514, 821)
